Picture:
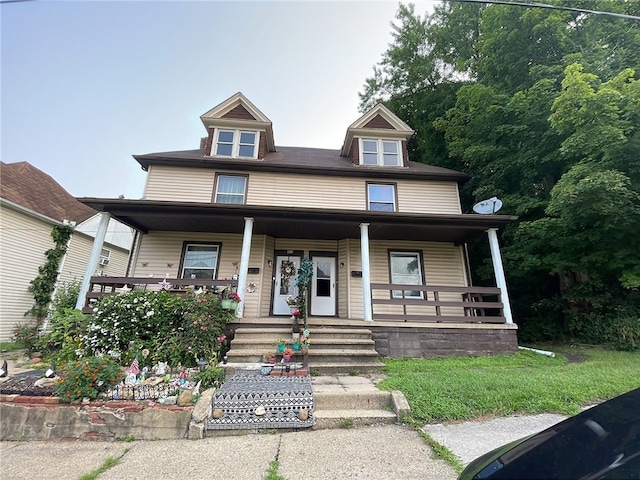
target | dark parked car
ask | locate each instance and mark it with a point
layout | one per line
(602, 442)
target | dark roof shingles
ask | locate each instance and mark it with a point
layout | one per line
(31, 188)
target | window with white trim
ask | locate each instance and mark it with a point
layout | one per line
(406, 269)
(200, 260)
(381, 197)
(380, 152)
(105, 257)
(230, 189)
(235, 143)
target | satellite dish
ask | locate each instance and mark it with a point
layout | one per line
(488, 207)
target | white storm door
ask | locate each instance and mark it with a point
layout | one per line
(323, 287)
(285, 274)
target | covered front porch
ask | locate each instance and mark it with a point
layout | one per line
(437, 315)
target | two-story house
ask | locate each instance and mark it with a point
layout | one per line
(386, 234)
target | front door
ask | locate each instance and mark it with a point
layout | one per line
(323, 287)
(285, 274)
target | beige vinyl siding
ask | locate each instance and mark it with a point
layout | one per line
(158, 250)
(297, 190)
(24, 240)
(268, 246)
(442, 265)
(356, 299)
(343, 278)
(74, 264)
(179, 184)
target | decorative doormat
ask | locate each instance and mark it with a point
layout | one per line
(249, 400)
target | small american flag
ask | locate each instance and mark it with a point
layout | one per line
(134, 367)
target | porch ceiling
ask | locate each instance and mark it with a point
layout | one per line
(281, 222)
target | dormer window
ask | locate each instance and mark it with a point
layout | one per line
(235, 143)
(380, 152)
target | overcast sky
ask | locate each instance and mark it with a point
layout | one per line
(85, 85)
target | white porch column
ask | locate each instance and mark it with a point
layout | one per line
(499, 272)
(366, 272)
(244, 265)
(98, 242)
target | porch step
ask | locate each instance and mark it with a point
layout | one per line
(332, 351)
(344, 402)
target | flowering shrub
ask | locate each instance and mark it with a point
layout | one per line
(87, 378)
(204, 324)
(180, 330)
(138, 316)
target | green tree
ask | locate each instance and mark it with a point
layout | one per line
(541, 107)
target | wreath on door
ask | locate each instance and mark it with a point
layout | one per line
(287, 270)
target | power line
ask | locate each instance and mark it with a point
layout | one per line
(552, 7)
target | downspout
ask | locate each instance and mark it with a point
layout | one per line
(498, 270)
(366, 272)
(98, 242)
(244, 265)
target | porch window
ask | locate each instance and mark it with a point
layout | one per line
(200, 261)
(406, 268)
(235, 143)
(230, 189)
(380, 152)
(381, 197)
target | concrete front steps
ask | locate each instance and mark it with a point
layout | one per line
(333, 350)
(345, 401)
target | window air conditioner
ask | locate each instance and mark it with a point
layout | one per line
(104, 262)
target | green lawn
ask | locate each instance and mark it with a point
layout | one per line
(463, 388)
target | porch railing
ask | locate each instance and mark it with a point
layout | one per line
(436, 304)
(101, 286)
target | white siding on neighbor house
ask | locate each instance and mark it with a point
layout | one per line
(75, 262)
(24, 240)
(185, 184)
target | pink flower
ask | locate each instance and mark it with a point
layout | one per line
(221, 338)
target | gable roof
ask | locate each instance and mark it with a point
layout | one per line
(29, 187)
(238, 112)
(379, 121)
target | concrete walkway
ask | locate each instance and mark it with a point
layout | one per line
(377, 452)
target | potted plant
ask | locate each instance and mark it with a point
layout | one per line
(270, 357)
(229, 299)
(287, 353)
(281, 344)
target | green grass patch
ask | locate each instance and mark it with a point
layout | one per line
(272, 473)
(110, 462)
(9, 347)
(463, 388)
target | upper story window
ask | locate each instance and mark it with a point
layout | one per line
(235, 143)
(381, 197)
(230, 189)
(380, 152)
(200, 260)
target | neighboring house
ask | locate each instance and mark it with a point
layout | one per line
(31, 203)
(371, 220)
